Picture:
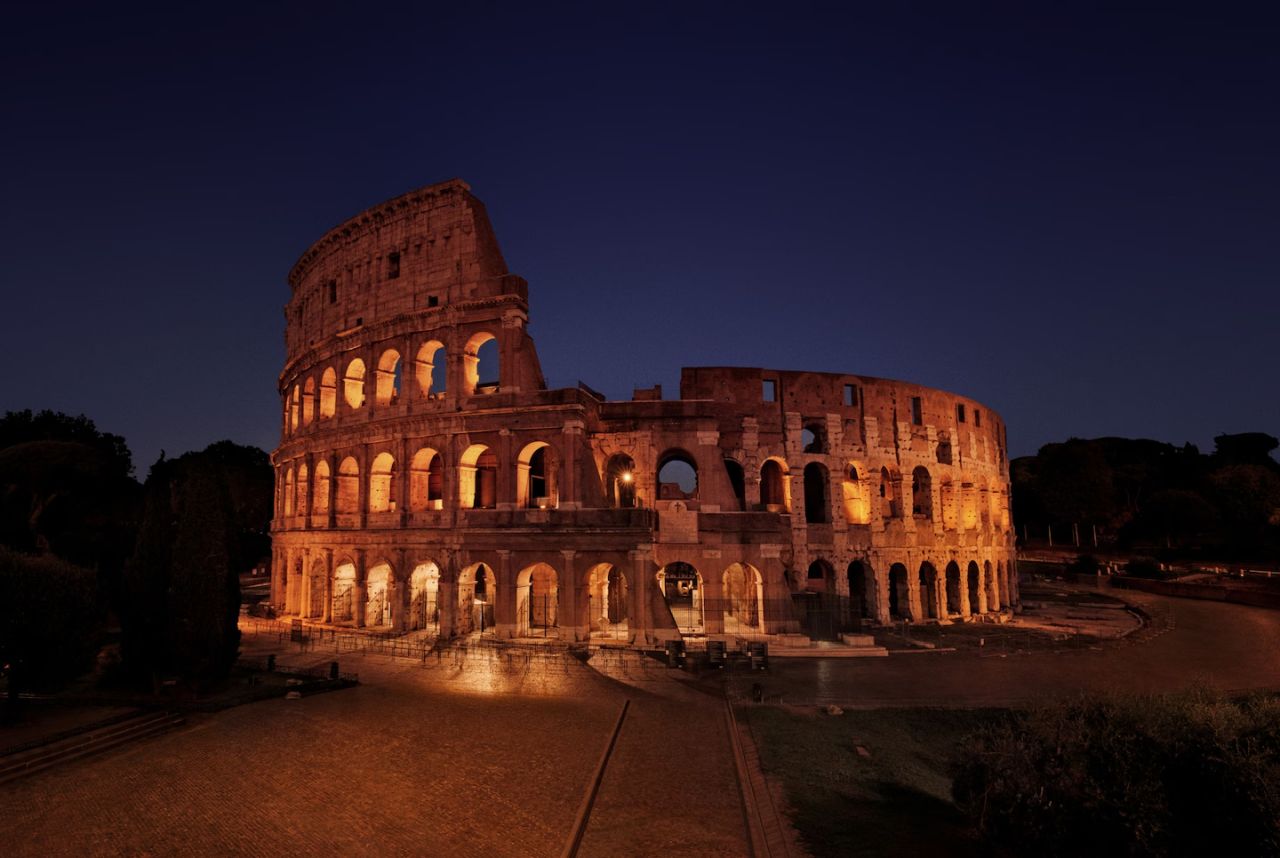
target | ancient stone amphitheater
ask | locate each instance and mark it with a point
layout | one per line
(428, 479)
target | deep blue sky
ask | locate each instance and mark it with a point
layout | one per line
(1072, 215)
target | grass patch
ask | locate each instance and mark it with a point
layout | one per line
(894, 800)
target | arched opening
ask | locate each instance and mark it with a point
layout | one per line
(315, 590)
(377, 604)
(386, 388)
(426, 481)
(380, 477)
(344, 585)
(899, 593)
(738, 482)
(953, 589)
(430, 370)
(353, 384)
(857, 505)
(820, 619)
(677, 476)
(607, 594)
(424, 590)
(993, 588)
(775, 488)
(888, 497)
(974, 576)
(681, 588)
(480, 364)
(817, 506)
(819, 577)
(814, 437)
(328, 393)
(537, 601)
(347, 498)
(478, 478)
(477, 591)
(620, 481)
(536, 471)
(320, 504)
(304, 485)
(309, 401)
(743, 599)
(288, 492)
(921, 493)
(929, 592)
(859, 605)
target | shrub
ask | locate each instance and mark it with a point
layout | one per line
(1144, 567)
(1192, 774)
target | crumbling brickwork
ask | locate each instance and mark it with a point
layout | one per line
(427, 478)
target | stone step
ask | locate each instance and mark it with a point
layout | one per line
(90, 742)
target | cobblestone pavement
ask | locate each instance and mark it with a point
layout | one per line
(1225, 646)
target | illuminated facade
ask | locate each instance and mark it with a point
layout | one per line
(428, 479)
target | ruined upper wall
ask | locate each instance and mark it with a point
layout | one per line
(425, 250)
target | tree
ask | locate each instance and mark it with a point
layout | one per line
(50, 621)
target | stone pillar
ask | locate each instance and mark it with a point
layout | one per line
(505, 488)
(567, 489)
(447, 595)
(639, 581)
(358, 596)
(304, 589)
(400, 482)
(504, 599)
(966, 609)
(398, 592)
(571, 593)
(327, 609)
(878, 572)
(915, 600)
(362, 488)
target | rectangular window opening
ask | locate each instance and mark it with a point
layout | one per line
(770, 392)
(977, 417)
(917, 415)
(960, 411)
(393, 265)
(433, 300)
(333, 291)
(850, 395)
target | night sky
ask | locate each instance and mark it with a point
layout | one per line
(1072, 215)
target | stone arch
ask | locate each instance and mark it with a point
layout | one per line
(347, 498)
(743, 595)
(537, 601)
(860, 602)
(316, 584)
(309, 401)
(928, 580)
(386, 385)
(857, 503)
(954, 589)
(481, 368)
(813, 436)
(537, 476)
(424, 596)
(477, 594)
(620, 481)
(344, 588)
(775, 485)
(426, 481)
(608, 594)
(890, 506)
(677, 476)
(320, 500)
(681, 586)
(301, 506)
(899, 592)
(328, 393)
(921, 493)
(478, 478)
(993, 588)
(379, 587)
(820, 577)
(353, 384)
(431, 369)
(288, 492)
(973, 581)
(381, 479)
(817, 500)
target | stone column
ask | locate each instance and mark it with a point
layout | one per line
(505, 485)
(504, 599)
(570, 594)
(447, 595)
(358, 595)
(398, 593)
(328, 586)
(638, 620)
(304, 589)
(567, 489)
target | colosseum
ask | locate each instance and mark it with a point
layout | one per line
(427, 478)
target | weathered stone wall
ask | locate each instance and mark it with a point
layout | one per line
(861, 496)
